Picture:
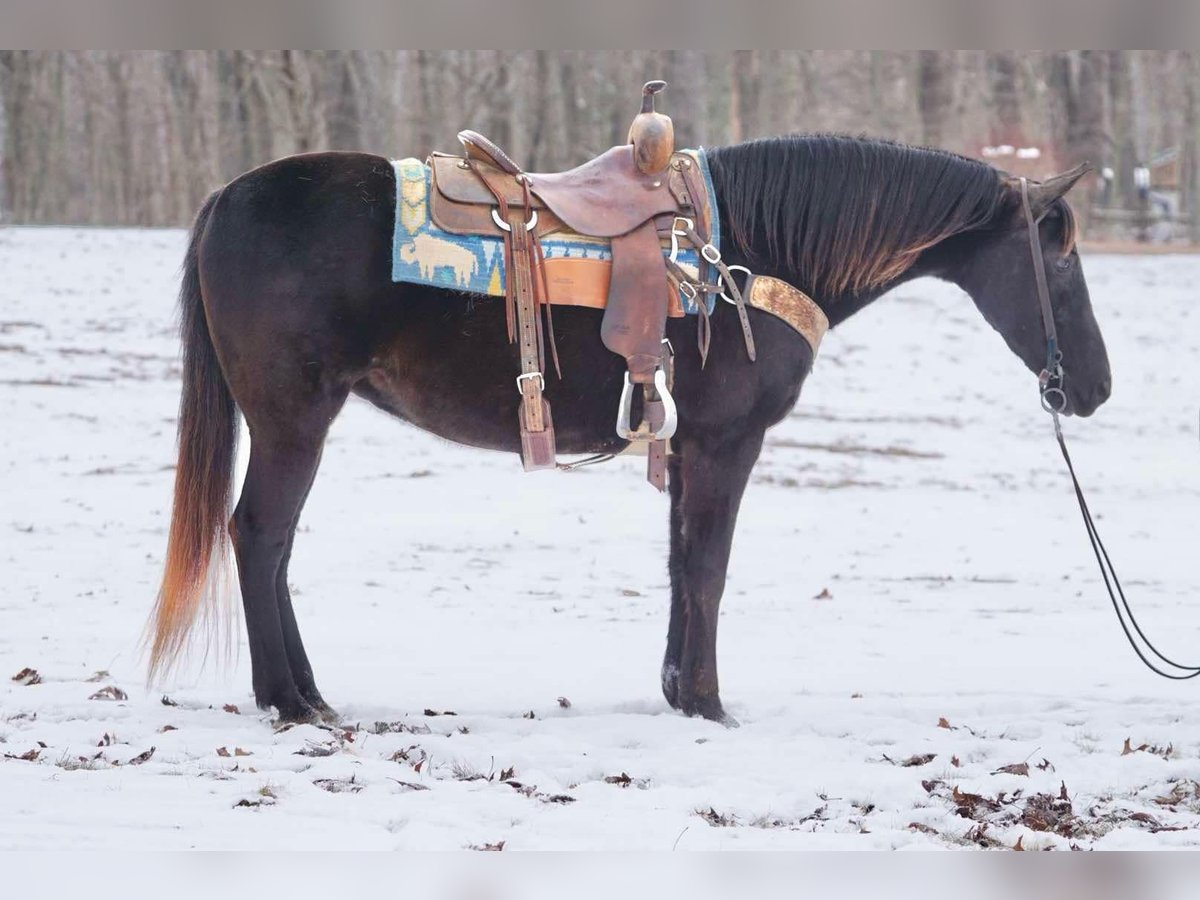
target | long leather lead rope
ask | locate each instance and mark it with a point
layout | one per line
(1054, 402)
(1113, 584)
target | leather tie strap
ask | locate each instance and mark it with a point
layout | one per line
(527, 319)
(523, 275)
(727, 278)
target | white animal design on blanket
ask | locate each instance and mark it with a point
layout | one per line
(430, 253)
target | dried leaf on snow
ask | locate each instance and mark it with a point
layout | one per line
(27, 677)
(919, 759)
(1014, 769)
(494, 848)
(339, 785)
(112, 692)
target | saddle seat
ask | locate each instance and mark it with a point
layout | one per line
(605, 197)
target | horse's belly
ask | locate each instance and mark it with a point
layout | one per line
(482, 412)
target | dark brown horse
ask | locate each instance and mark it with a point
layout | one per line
(288, 308)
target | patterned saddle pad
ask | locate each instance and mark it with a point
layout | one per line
(422, 253)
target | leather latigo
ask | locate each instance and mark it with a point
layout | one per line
(791, 305)
(693, 195)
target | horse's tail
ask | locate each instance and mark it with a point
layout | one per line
(199, 534)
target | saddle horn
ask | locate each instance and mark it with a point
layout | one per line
(652, 133)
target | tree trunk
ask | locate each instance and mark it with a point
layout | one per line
(744, 95)
(1121, 135)
(934, 95)
(685, 100)
(6, 89)
(427, 105)
(1003, 76)
(1086, 130)
(1189, 162)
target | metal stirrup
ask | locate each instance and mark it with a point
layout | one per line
(670, 413)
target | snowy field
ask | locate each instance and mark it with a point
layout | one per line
(914, 637)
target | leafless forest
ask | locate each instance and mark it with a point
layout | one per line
(138, 138)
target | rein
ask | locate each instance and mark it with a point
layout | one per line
(1054, 401)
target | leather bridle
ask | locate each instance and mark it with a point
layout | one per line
(1054, 401)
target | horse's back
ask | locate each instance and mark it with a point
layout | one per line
(301, 209)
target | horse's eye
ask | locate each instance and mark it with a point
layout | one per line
(1063, 264)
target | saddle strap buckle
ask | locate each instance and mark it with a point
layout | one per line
(677, 232)
(530, 223)
(541, 382)
(670, 413)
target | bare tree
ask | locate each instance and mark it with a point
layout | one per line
(1189, 157)
(1121, 133)
(140, 137)
(1004, 73)
(934, 95)
(6, 76)
(744, 94)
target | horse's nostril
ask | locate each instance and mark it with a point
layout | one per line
(1097, 396)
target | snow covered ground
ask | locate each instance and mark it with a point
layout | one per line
(909, 554)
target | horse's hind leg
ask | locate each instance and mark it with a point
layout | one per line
(297, 657)
(708, 477)
(283, 463)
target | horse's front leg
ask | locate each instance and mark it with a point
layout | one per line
(708, 476)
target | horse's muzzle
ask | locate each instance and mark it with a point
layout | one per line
(1083, 402)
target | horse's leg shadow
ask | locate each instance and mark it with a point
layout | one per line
(708, 477)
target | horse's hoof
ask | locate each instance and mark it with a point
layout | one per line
(708, 708)
(296, 712)
(328, 714)
(670, 684)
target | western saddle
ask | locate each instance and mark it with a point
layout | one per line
(638, 196)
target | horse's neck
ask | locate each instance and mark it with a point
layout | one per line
(839, 309)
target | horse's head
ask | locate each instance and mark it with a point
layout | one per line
(997, 270)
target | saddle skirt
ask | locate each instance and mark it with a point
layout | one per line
(578, 267)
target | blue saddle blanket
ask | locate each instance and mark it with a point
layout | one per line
(422, 253)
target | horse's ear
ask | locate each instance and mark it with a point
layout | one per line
(1042, 194)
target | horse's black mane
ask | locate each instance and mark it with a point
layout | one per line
(849, 214)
